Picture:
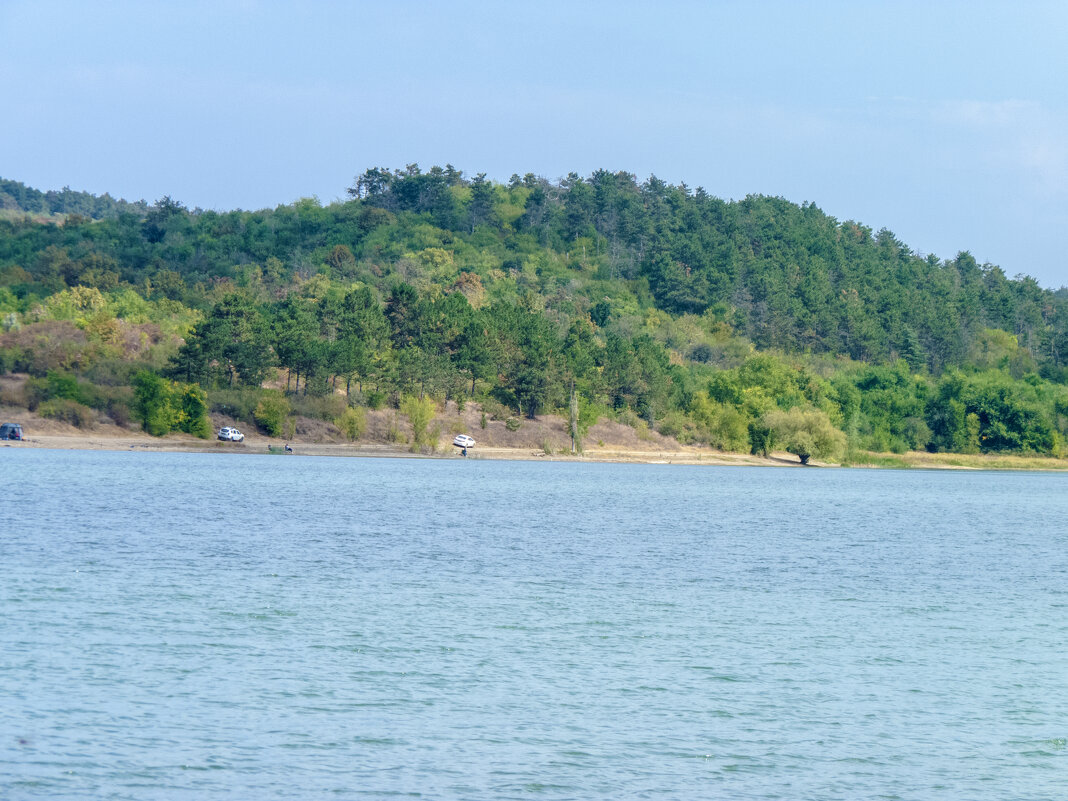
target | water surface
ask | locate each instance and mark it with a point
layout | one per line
(206, 626)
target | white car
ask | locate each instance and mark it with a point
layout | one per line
(463, 441)
(231, 435)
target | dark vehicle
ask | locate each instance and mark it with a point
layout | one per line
(10, 431)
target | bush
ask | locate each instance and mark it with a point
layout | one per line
(433, 437)
(353, 423)
(494, 409)
(376, 399)
(238, 404)
(153, 407)
(68, 411)
(119, 412)
(113, 372)
(393, 433)
(271, 412)
(679, 427)
(191, 410)
(35, 392)
(328, 408)
(419, 411)
(12, 360)
(512, 423)
(163, 406)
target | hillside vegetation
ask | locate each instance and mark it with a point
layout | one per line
(743, 325)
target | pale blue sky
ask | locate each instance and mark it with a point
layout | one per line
(944, 122)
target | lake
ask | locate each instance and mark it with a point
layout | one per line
(206, 626)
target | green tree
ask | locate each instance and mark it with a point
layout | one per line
(190, 410)
(152, 403)
(353, 423)
(271, 412)
(419, 411)
(806, 433)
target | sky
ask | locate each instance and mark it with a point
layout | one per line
(945, 122)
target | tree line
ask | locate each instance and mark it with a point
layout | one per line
(706, 319)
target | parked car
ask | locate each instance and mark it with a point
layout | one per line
(463, 441)
(11, 431)
(231, 435)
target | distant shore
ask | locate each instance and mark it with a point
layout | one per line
(258, 445)
(115, 439)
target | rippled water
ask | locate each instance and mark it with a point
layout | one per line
(181, 626)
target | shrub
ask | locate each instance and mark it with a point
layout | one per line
(494, 409)
(163, 406)
(239, 404)
(152, 403)
(419, 411)
(482, 421)
(643, 432)
(113, 372)
(678, 426)
(328, 408)
(724, 426)
(353, 423)
(191, 410)
(34, 390)
(702, 353)
(433, 437)
(376, 399)
(12, 360)
(393, 433)
(119, 412)
(271, 412)
(68, 411)
(512, 423)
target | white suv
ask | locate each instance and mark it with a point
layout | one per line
(231, 435)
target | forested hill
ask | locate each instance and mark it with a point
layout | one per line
(650, 296)
(16, 197)
(783, 275)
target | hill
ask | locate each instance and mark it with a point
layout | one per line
(18, 199)
(739, 324)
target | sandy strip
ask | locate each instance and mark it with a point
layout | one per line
(257, 445)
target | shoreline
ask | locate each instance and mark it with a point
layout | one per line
(255, 445)
(258, 445)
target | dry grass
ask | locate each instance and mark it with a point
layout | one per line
(969, 461)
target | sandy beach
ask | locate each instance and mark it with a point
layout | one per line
(259, 445)
(543, 439)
